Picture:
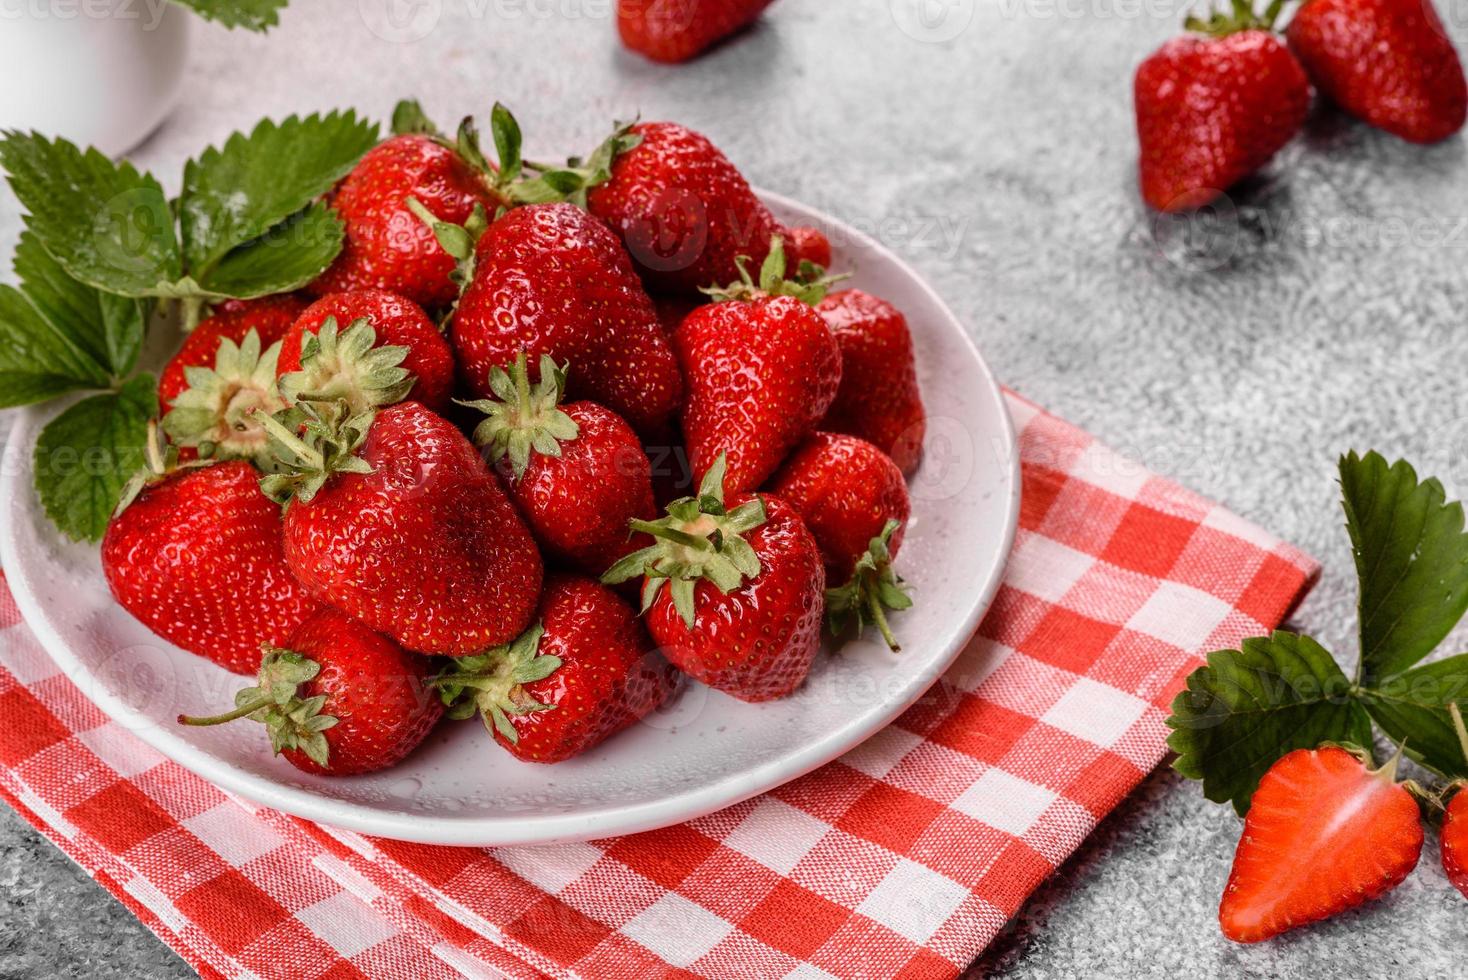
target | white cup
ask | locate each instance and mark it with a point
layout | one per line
(101, 73)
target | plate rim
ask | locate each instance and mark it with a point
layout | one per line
(616, 819)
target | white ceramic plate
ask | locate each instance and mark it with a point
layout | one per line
(703, 752)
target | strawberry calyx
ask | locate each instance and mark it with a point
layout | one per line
(311, 442)
(214, 415)
(346, 366)
(293, 722)
(572, 181)
(874, 588)
(809, 285)
(492, 684)
(523, 418)
(160, 460)
(457, 240)
(1237, 17)
(699, 539)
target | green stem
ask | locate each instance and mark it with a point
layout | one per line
(879, 616)
(245, 709)
(1457, 715)
(192, 308)
(672, 534)
(289, 439)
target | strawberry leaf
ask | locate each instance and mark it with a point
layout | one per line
(1411, 559)
(107, 224)
(292, 254)
(109, 328)
(1247, 708)
(252, 15)
(1412, 709)
(86, 454)
(236, 193)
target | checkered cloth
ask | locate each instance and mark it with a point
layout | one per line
(903, 858)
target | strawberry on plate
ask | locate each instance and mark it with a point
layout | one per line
(879, 399)
(387, 246)
(550, 279)
(223, 373)
(576, 471)
(338, 699)
(1214, 107)
(1323, 834)
(732, 591)
(1387, 62)
(854, 500)
(1453, 839)
(396, 322)
(762, 368)
(395, 519)
(195, 555)
(805, 244)
(584, 672)
(678, 30)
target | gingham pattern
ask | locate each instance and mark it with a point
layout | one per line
(904, 858)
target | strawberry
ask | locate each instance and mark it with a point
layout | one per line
(854, 501)
(761, 371)
(678, 30)
(808, 245)
(584, 672)
(223, 372)
(1387, 62)
(340, 700)
(673, 310)
(1454, 841)
(1323, 835)
(576, 471)
(397, 322)
(684, 211)
(195, 555)
(396, 520)
(732, 592)
(387, 246)
(550, 279)
(1213, 110)
(879, 399)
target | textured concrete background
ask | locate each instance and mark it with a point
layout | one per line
(992, 146)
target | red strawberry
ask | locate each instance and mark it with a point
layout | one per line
(196, 557)
(1388, 62)
(224, 372)
(576, 471)
(684, 211)
(1454, 841)
(761, 373)
(551, 279)
(1323, 835)
(673, 310)
(387, 246)
(412, 534)
(879, 399)
(397, 322)
(1213, 110)
(678, 30)
(854, 501)
(808, 245)
(583, 673)
(341, 700)
(733, 593)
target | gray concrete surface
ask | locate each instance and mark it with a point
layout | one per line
(994, 149)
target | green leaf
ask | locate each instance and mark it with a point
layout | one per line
(1412, 709)
(108, 327)
(252, 15)
(1411, 558)
(408, 118)
(292, 254)
(1247, 708)
(86, 454)
(106, 224)
(237, 193)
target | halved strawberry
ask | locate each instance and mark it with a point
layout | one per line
(1324, 834)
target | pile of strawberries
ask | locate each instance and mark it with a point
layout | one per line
(312, 492)
(1215, 107)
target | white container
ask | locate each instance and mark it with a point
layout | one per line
(101, 73)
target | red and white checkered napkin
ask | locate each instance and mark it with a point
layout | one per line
(904, 858)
